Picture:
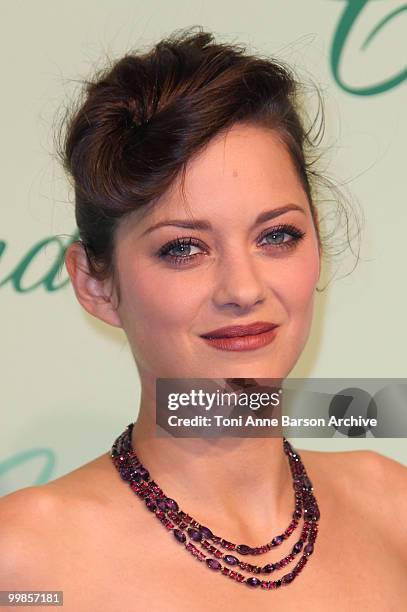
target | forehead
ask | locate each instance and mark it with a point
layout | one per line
(238, 174)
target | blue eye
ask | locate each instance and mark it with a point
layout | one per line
(183, 247)
(276, 236)
(178, 251)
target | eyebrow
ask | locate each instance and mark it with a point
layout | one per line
(202, 224)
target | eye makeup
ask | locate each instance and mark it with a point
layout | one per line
(275, 236)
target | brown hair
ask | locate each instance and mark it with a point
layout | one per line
(144, 118)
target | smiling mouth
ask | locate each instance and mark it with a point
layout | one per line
(231, 331)
(248, 341)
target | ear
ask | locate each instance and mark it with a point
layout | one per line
(96, 296)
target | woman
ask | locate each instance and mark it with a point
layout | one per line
(195, 208)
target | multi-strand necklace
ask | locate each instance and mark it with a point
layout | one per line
(207, 547)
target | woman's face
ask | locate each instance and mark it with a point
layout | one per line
(235, 272)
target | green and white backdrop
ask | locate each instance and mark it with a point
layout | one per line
(68, 382)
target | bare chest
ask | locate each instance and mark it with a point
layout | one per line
(351, 568)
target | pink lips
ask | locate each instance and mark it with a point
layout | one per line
(242, 337)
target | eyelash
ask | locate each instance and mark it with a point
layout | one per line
(289, 229)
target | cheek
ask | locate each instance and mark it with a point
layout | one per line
(157, 300)
(297, 292)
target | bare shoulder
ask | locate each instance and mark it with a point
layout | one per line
(370, 484)
(27, 518)
(42, 525)
(367, 473)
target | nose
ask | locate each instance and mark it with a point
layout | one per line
(238, 282)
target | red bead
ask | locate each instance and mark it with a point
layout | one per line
(253, 582)
(189, 546)
(213, 564)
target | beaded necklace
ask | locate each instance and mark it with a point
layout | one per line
(202, 543)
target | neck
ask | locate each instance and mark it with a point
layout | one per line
(241, 488)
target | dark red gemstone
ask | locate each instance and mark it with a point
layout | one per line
(277, 540)
(135, 476)
(155, 488)
(227, 545)
(143, 473)
(253, 582)
(243, 549)
(207, 533)
(288, 577)
(297, 547)
(309, 549)
(171, 504)
(179, 535)
(162, 505)
(231, 560)
(309, 514)
(125, 473)
(195, 534)
(151, 505)
(267, 569)
(213, 564)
